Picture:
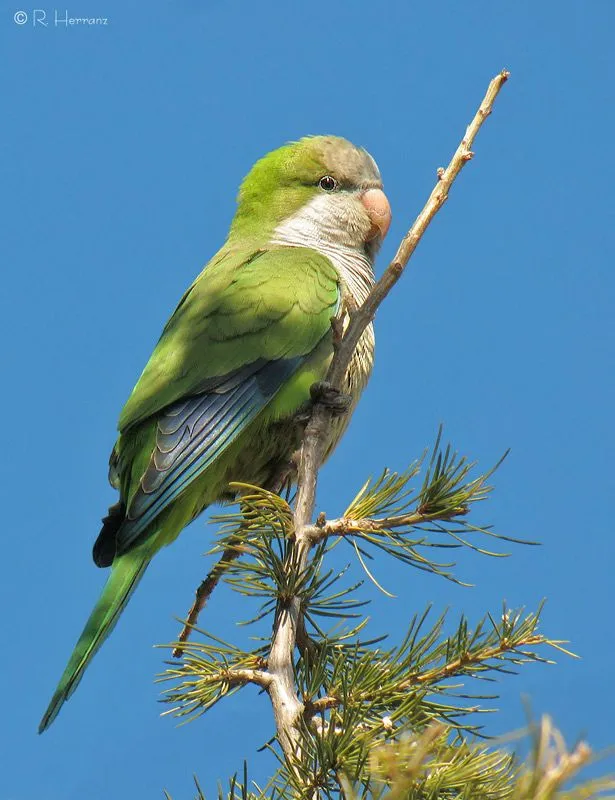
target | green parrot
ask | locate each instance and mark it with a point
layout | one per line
(225, 393)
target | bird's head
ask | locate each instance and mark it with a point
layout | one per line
(319, 189)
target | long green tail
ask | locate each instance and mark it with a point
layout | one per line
(125, 575)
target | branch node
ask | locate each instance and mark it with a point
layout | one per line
(337, 326)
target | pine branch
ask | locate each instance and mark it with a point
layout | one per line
(381, 681)
(432, 764)
(346, 525)
(208, 672)
(287, 707)
(428, 767)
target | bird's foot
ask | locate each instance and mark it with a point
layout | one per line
(334, 399)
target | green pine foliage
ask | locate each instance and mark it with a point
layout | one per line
(378, 720)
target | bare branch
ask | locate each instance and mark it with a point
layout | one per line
(287, 707)
(204, 592)
(238, 676)
(312, 449)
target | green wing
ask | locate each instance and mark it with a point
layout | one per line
(239, 334)
(246, 305)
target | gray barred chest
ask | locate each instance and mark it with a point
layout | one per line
(357, 276)
(358, 279)
(360, 367)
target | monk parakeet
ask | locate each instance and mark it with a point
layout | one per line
(224, 395)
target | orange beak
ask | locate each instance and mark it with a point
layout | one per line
(379, 211)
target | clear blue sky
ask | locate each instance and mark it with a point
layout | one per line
(123, 146)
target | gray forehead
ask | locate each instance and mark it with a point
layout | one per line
(350, 163)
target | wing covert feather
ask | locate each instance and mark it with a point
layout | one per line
(245, 306)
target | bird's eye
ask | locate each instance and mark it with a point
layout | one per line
(328, 183)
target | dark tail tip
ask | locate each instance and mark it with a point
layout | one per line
(104, 550)
(52, 711)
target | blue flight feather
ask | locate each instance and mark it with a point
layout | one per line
(193, 432)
